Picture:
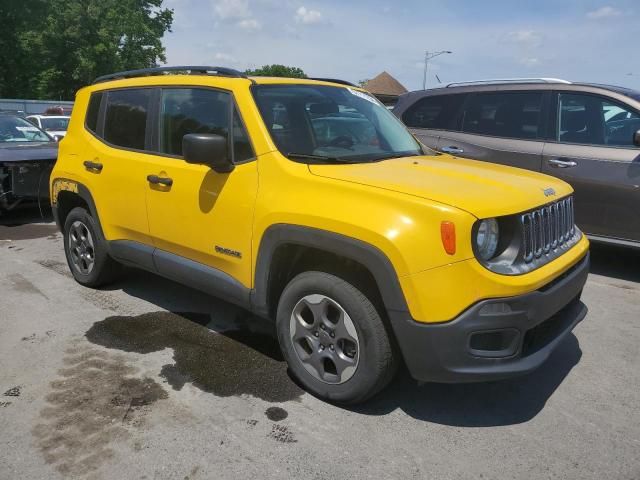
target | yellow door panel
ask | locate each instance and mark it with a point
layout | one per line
(118, 190)
(204, 216)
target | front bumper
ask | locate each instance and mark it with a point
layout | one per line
(496, 338)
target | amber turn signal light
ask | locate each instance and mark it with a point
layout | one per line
(448, 234)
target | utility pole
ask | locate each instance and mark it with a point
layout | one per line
(428, 56)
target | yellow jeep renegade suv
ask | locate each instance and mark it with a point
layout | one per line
(307, 202)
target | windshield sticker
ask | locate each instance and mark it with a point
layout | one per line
(363, 95)
(27, 129)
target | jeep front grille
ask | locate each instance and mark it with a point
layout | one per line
(547, 228)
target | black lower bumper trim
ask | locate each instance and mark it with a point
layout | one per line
(468, 349)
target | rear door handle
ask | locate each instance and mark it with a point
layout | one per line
(92, 166)
(554, 162)
(452, 149)
(156, 180)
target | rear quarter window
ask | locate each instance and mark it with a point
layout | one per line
(91, 118)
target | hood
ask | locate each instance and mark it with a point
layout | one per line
(27, 151)
(482, 189)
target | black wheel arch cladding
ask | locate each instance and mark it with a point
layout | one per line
(373, 259)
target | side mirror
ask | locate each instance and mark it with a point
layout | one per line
(636, 138)
(207, 149)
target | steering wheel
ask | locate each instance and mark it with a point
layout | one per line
(343, 141)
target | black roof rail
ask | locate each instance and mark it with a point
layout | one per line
(193, 70)
(333, 80)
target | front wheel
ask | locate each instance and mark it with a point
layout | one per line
(333, 338)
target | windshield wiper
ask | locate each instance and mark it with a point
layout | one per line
(318, 158)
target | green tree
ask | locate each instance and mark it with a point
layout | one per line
(17, 16)
(78, 40)
(276, 70)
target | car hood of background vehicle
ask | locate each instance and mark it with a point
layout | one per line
(27, 151)
(482, 189)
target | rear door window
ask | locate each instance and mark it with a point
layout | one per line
(505, 114)
(437, 112)
(126, 117)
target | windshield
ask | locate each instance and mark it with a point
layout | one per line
(332, 124)
(15, 129)
(55, 123)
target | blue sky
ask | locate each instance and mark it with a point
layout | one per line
(585, 40)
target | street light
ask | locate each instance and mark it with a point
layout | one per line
(428, 56)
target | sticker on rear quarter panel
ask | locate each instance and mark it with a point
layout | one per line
(60, 185)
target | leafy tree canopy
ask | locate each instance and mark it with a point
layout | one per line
(59, 46)
(276, 70)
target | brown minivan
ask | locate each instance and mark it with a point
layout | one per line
(585, 134)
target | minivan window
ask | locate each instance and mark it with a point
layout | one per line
(505, 114)
(126, 117)
(437, 112)
(595, 120)
(332, 124)
(191, 110)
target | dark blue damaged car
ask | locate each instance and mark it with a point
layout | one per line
(27, 155)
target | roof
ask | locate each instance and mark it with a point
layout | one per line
(385, 84)
(513, 86)
(226, 82)
(197, 70)
(629, 92)
(298, 81)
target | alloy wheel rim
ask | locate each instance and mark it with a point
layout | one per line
(81, 247)
(325, 339)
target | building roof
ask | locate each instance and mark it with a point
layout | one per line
(385, 84)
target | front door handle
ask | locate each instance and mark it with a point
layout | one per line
(156, 180)
(92, 166)
(554, 162)
(452, 149)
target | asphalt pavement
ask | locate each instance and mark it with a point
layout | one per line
(147, 379)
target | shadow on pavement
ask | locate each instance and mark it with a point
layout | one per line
(476, 405)
(175, 297)
(27, 213)
(485, 404)
(616, 262)
(26, 222)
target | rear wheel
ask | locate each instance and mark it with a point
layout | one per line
(333, 338)
(86, 250)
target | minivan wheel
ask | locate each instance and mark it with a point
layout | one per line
(86, 250)
(333, 338)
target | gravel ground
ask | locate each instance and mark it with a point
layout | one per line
(148, 379)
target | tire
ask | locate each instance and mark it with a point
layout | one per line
(86, 250)
(324, 360)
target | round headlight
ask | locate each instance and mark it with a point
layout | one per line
(487, 238)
